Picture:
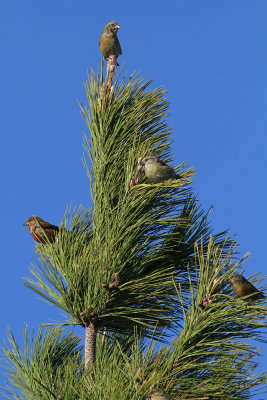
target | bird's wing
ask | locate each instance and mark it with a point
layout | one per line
(120, 51)
(257, 293)
(117, 46)
(162, 162)
(46, 225)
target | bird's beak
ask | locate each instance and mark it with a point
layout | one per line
(117, 26)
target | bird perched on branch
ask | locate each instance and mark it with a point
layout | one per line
(158, 394)
(109, 42)
(41, 230)
(156, 170)
(242, 287)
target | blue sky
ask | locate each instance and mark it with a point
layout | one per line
(212, 58)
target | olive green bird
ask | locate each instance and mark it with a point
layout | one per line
(242, 287)
(109, 42)
(156, 170)
(158, 394)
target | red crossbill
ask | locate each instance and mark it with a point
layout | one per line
(242, 287)
(108, 41)
(157, 170)
(41, 230)
(158, 394)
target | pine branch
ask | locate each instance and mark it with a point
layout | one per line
(90, 344)
(37, 371)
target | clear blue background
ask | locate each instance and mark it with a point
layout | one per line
(210, 55)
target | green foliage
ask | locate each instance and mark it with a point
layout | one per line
(47, 366)
(208, 358)
(142, 263)
(116, 263)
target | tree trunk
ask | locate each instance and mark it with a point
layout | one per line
(90, 344)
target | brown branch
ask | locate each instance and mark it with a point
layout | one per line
(136, 177)
(111, 69)
(90, 344)
(102, 87)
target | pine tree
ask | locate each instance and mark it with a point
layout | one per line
(143, 273)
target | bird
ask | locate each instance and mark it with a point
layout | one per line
(242, 287)
(157, 170)
(158, 394)
(41, 231)
(109, 42)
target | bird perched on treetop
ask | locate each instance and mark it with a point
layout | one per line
(108, 41)
(41, 230)
(158, 394)
(242, 287)
(156, 170)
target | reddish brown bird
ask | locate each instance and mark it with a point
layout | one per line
(41, 230)
(109, 42)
